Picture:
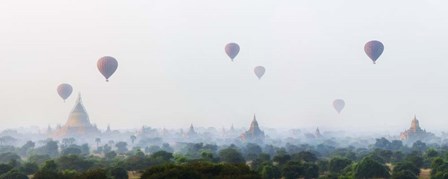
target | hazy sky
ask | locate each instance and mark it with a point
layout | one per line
(173, 70)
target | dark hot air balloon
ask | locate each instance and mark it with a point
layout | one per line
(232, 50)
(107, 66)
(259, 71)
(374, 49)
(338, 104)
(64, 90)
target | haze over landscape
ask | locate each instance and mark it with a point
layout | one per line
(173, 70)
(206, 89)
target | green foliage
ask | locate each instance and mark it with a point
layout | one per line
(13, 174)
(8, 156)
(118, 173)
(370, 168)
(282, 157)
(231, 155)
(270, 171)
(73, 162)
(199, 170)
(29, 168)
(94, 174)
(404, 174)
(38, 159)
(292, 170)
(304, 156)
(337, 164)
(415, 158)
(50, 165)
(121, 147)
(4, 168)
(50, 149)
(403, 166)
(71, 151)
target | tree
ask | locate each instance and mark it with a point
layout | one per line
(7, 140)
(38, 159)
(71, 151)
(310, 170)
(419, 146)
(401, 167)
(97, 141)
(370, 168)
(231, 155)
(152, 149)
(13, 174)
(110, 155)
(50, 165)
(196, 170)
(4, 168)
(68, 141)
(50, 148)
(305, 156)
(8, 156)
(415, 158)
(133, 138)
(119, 173)
(107, 149)
(94, 174)
(121, 147)
(396, 145)
(29, 168)
(337, 164)
(252, 151)
(85, 150)
(282, 157)
(382, 143)
(270, 171)
(404, 174)
(161, 157)
(73, 162)
(26, 148)
(292, 170)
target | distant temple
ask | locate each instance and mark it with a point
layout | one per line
(191, 133)
(77, 125)
(415, 133)
(254, 134)
(317, 133)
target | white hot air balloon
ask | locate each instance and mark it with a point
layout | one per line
(259, 71)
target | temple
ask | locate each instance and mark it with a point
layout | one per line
(191, 132)
(254, 134)
(77, 125)
(415, 133)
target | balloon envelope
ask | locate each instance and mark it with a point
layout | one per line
(374, 49)
(107, 66)
(232, 50)
(338, 104)
(259, 71)
(64, 90)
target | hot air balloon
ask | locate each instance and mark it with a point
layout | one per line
(232, 50)
(107, 66)
(374, 49)
(64, 90)
(338, 104)
(259, 71)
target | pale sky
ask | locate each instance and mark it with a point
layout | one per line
(173, 70)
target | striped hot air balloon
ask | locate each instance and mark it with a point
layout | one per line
(64, 90)
(107, 66)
